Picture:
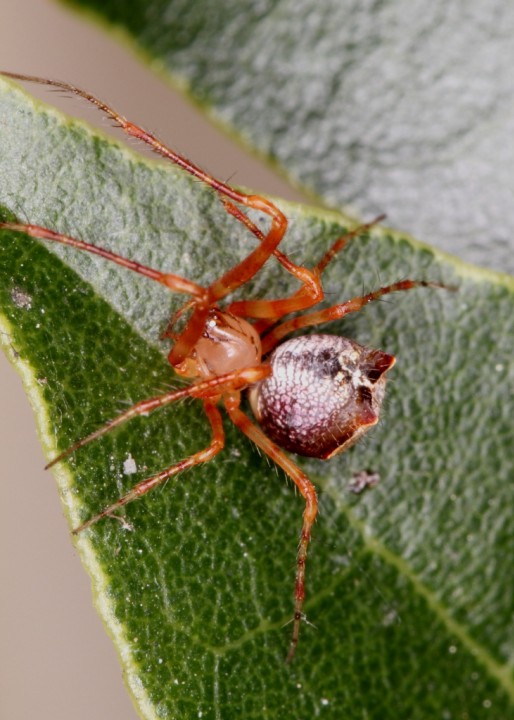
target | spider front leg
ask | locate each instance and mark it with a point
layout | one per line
(171, 281)
(305, 487)
(246, 269)
(235, 276)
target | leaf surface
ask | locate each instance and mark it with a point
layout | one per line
(409, 585)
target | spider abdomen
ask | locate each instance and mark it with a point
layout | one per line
(323, 394)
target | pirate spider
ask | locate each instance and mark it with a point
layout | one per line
(314, 395)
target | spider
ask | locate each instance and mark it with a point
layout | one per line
(313, 395)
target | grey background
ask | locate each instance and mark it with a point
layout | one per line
(56, 660)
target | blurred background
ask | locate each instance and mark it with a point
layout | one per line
(56, 660)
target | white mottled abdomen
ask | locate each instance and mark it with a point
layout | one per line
(324, 392)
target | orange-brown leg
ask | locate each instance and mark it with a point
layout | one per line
(307, 490)
(337, 312)
(243, 271)
(342, 242)
(203, 390)
(216, 444)
(310, 294)
(309, 278)
(233, 278)
(173, 282)
(142, 135)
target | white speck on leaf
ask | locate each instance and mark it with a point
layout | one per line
(129, 466)
(21, 299)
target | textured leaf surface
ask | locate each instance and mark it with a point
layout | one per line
(409, 585)
(396, 106)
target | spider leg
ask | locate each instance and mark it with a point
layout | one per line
(336, 312)
(173, 282)
(231, 280)
(206, 389)
(309, 278)
(237, 275)
(217, 443)
(342, 242)
(312, 291)
(240, 273)
(305, 487)
(140, 134)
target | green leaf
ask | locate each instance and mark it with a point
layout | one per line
(393, 107)
(409, 585)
